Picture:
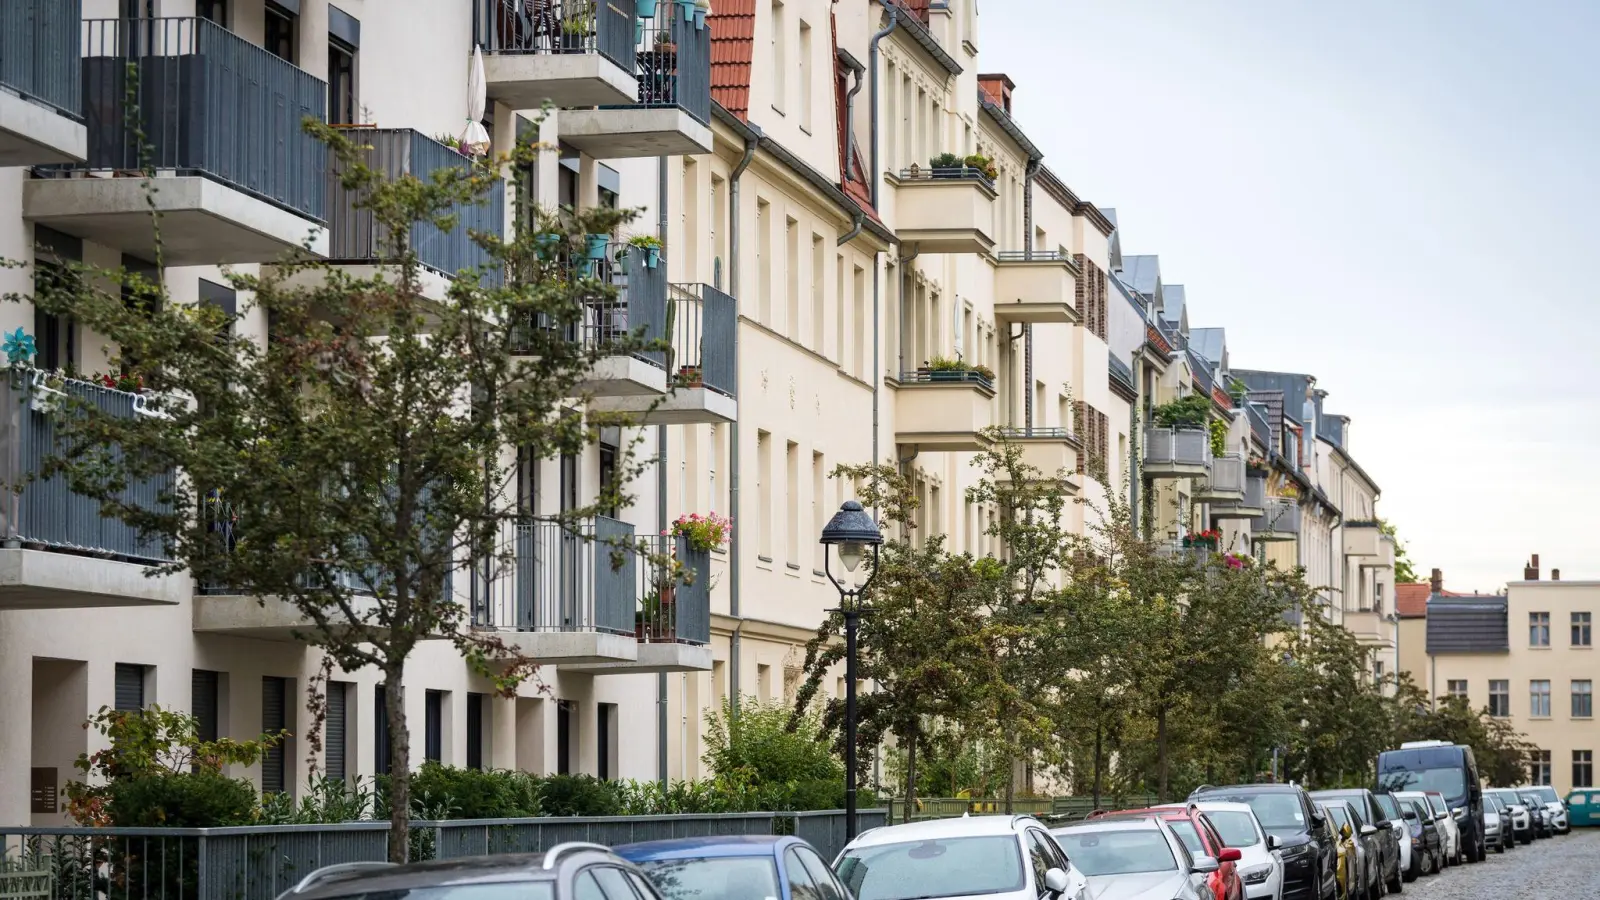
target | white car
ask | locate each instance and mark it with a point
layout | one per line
(1557, 809)
(992, 857)
(1259, 868)
(1138, 858)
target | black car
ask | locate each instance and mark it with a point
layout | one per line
(574, 871)
(1372, 814)
(1427, 844)
(1306, 842)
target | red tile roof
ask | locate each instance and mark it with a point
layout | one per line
(733, 32)
(919, 8)
(1411, 600)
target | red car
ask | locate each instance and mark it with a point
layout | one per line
(1201, 837)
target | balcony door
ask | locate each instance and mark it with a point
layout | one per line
(570, 572)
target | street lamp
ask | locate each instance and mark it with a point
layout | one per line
(853, 532)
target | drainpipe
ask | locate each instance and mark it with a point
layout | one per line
(1135, 442)
(735, 543)
(1027, 329)
(850, 127)
(872, 67)
(855, 229)
(661, 492)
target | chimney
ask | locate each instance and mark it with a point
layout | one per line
(997, 87)
(1531, 571)
(1437, 582)
(1555, 574)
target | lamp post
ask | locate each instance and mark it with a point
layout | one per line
(853, 532)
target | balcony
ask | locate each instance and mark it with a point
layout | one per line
(1053, 451)
(569, 52)
(237, 178)
(1279, 520)
(701, 320)
(41, 97)
(945, 210)
(669, 113)
(1176, 452)
(1363, 539)
(57, 550)
(636, 312)
(1225, 483)
(1247, 507)
(1035, 287)
(357, 240)
(562, 594)
(672, 621)
(1370, 627)
(944, 410)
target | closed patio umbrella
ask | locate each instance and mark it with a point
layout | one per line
(475, 140)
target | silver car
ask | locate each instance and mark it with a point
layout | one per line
(1136, 859)
(992, 857)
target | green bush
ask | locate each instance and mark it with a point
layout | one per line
(580, 795)
(184, 800)
(475, 793)
(1188, 411)
(761, 749)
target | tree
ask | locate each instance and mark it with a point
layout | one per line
(1502, 753)
(1403, 571)
(1344, 718)
(361, 457)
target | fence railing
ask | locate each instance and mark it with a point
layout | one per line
(637, 312)
(606, 27)
(674, 607)
(1006, 256)
(40, 53)
(553, 576)
(207, 102)
(1181, 446)
(1281, 515)
(1022, 432)
(703, 320)
(942, 173)
(947, 376)
(673, 62)
(44, 512)
(355, 235)
(1227, 473)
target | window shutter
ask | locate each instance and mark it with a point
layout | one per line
(1080, 429)
(380, 730)
(1080, 290)
(433, 726)
(129, 693)
(203, 703)
(474, 731)
(333, 731)
(274, 718)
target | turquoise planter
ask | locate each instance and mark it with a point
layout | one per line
(652, 257)
(687, 8)
(596, 249)
(699, 20)
(646, 9)
(545, 244)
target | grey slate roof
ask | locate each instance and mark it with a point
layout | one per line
(1331, 427)
(1172, 301)
(1470, 624)
(1258, 423)
(1211, 343)
(1142, 273)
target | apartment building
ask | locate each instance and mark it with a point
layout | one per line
(1527, 656)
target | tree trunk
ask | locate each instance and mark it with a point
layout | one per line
(1099, 774)
(911, 772)
(1161, 754)
(399, 766)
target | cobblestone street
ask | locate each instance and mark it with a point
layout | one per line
(1562, 867)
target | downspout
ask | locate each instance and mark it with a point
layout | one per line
(661, 495)
(1136, 442)
(872, 70)
(735, 543)
(1027, 329)
(876, 179)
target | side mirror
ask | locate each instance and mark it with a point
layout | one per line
(1368, 830)
(1056, 882)
(1228, 854)
(1273, 843)
(1440, 817)
(1205, 865)
(1318, 819)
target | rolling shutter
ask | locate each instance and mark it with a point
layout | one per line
(474, 731)
(273, 719)
(333, 734)
(203, 703)
(130, 686)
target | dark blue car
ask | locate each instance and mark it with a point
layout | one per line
(755, 867)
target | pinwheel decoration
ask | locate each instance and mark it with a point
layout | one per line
(18, 347)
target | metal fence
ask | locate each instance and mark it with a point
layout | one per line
(673, 606)
(1227, 472)
(39, 52)
(205, 102)
(1281, 515)
(355, 235)
(703, 321)
(635, 314)
(480, 837)
(942, 173)
(1053, 808)
(1181, 446)
(606, 27)
(44, 511)
(824, 830)
(673, 62)
(554, 576)
(1006, 256)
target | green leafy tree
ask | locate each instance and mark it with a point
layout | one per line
(1404, 572)
(361, 455)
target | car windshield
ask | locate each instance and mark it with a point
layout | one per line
(714, 878)
(1388, 805)
(948, 867)
(1238, 829)
(1278, 810)
(1547, 794)
(499, 890)
(1450, 781)
(1117, 852)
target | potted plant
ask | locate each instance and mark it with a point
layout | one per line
(702, 8)
(983, 164)
(646, 619)
(945, 165)
(1188, 411)
(704, 533)
(645, 9)
(686, 7)
(985, 372)
(577, 24)
(944, 368)
(1204, 540)
(651, 245)
(664, 44)
(545, 244)
(49, 389)
(691, 376)
(595, 247)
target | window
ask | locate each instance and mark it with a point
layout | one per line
(566, 711)
(820, 510)
(203, 703)
(212, 10)
(475, 703)
(274, 718)
(1377, 671)
(279, 39)
(780, 64)
(763, 262)
(1500, 698)
(1582, 768)
(433, 726)
(129, 693)
(1581, 635)
(1539, 767)
(341, 82)
(1539, 699)
(1538, 629)
(791, 458)
(819, 294)
(804, 74)
(606, 741)
(827, 884)
(380, 730)
(801, 885)
(791, 265)
(614, 883)
(335, 730)
(764, 495)
(1457, 687)
(1582, 699)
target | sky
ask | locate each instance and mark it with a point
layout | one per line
(1395, 196)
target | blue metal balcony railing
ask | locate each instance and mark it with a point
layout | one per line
(354, 235)
(208, 103)
(703, 320)
(953, 173)
(580, 576)
(44, 512)
(675, 610)
(638, 311)
(605, 27)
(39, 53)
(942, 376)
(673, 62)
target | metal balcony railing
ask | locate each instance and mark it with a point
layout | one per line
(1022, 432)
(1177, 446)
(354, 235)
(1227, 473)
(1280, 515)
(1120, 371)
(44, 512)
(943, 376)
(703, 320)
(207, 102)
(964, 173)
(639, 309)
(674, 610)
(673, 62)
(1255, 491)
(551, 576)
(606, 27)
(1006, 256)
(39, 53)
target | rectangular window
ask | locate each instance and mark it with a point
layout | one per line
(820, 510)
(1539, 767)
(129, 693)
(336, 731)
(1500, 698)
(689, 190)
(1539, 699)
(780, 63)
(341, 83)
(841, 318)
(1581, 634)
(433, 726)
(819, 294)
(764, 496)
(565, 713)
(1582, 699)
(858, 340)
(1538, 629)
(1582, 768)
(791, 282)
(719, 231)
(763, 262)
(475, 705)
(791, 459)
(606, 741)
(803, 72)
(274, 718)
(204, 704)
(279, 35)
(1457, 687)
(380, 730)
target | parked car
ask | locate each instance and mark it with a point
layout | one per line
(572, 871)
(1427, 844)
(1306, 841)
(1259, 867)
(1367, 885)
(1521, 817)
(1135, 858)
(1194, 828)
(1449, 770)
(1350, 864)
(996, 857)
(1583, 807)
(1452, 831)
(1542, 827)
(1397, 825)
(746, 867)
(1552, 802)
(1385, 838)
(1493, 831)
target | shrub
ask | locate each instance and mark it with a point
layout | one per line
(1188, 411)
(475, 793)
(185, 800)
(761, 748)
(945, 161)
(580, 795)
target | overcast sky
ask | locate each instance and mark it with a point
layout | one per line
(1396, 196)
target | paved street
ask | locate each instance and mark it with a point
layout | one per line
(1562, 868)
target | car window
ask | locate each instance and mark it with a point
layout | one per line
(1186, 832)
(1435, 801)
(614, 883)
(642, 886)
(1235, 829)
(1096, 852)
(584, 887)
(1212, 838)
(801, 885)
(1052, 850)
(1337, 814)
(1039, 861)
(946, 867)
(1387, 804)
(827, 884)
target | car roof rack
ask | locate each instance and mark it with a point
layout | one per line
(317, 876)
(554, 854)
